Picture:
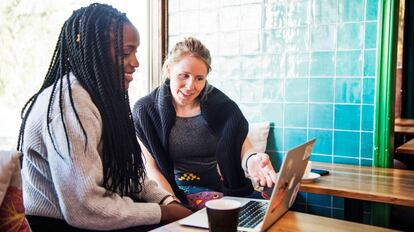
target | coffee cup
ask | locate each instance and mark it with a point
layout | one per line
(223, 215)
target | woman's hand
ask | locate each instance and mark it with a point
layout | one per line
(173, 212)
(261, 170)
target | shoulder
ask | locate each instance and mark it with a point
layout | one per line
(76, 98)
(144, 105)
(216, 98)
(81, 98)
(218, 108)
(70, 95)
(78, 92)
(145, 101)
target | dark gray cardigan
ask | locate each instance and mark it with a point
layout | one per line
(154, 115)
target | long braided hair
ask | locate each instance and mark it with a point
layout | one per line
(83, 48)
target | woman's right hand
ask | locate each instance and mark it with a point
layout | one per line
(173, 212)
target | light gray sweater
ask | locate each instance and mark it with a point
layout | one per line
(70, 188)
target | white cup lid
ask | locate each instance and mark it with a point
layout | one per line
(223, 204)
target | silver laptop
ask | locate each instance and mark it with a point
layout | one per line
(257, 214)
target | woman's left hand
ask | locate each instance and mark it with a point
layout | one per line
(261, 170)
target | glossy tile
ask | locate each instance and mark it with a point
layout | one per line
(323, 37)
(346, 160)
(298, 13)
(349, 63)
(322, 64)
(307, 66)
(346, 143)
(368, 95)
(293, 138)
(249, 68)
(318, 210)
(322, 158)
(338, 202)
(273, 66)
(251, 16)
(367, 148)
(321, 115)
(338, 214)
(347, 117)
(351, 10)
(325, 11)
(275, 15)
(367, 123)
(319, 200)
(323, 144)
(297, 89)
(321, 90)
(273, 112)
(372, 10)
(297, 65)
(348, 90)
(370, 63)
(273, 90)
(350, 36)
(371, 35)
(296, 115)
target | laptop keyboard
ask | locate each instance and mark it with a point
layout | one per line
(252, 213)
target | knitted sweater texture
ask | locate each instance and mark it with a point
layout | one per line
(69, 187)
(154, 116)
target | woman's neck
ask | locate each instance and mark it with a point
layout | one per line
(187, 110)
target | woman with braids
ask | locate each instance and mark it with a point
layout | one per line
(194, 137)
(82, 165)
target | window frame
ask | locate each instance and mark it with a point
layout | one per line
(158, 32)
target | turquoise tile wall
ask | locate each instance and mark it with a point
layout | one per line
(307, 66)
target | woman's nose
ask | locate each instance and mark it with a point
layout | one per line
(190, 83)
(134, 61)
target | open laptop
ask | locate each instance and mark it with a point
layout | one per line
(257, 214)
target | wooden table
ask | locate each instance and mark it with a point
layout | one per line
(360, 183)
(387, 185)
(406, 148)
(404, 122)
(294, 221)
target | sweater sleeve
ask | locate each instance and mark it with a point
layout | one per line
(78, 177)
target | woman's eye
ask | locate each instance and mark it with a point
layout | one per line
(200, 78)
(128, 52)
(184, 75)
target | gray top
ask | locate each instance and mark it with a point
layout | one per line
(70, 188)
(192, 145)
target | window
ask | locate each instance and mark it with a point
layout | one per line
(29, 33)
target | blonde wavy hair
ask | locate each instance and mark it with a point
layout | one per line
(193, 47)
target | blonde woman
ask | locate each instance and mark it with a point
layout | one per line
(193, 136)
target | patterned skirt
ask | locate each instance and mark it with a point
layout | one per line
(199, 187)
(202, 187)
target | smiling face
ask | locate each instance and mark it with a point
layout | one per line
(187, 80)
(130, 45)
